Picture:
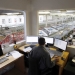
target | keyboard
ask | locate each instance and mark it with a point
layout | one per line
(3, 59)
(57, 53)
(32, 46)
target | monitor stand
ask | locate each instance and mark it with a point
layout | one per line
(49, 44)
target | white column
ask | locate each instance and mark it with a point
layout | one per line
(34, 22)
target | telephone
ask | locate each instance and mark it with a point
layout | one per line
(73, 60)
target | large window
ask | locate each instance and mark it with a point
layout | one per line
(53, 21)
(12, 27)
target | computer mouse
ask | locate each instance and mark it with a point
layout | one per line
(62, 58)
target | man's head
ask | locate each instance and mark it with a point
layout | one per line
(41, 41)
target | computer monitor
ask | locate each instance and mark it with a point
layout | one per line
(49, 40)
(60, 44)
(5, 45)
(32, 40)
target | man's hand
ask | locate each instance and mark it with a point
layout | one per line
(56, 58)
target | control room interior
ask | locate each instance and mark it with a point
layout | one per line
(32, 19)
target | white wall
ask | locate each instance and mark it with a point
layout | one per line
(15, 4)
(52, 4)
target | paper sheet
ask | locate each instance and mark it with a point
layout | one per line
(28, 49)
(16, 54)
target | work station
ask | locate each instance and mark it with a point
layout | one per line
(54, 49)
(21, 26)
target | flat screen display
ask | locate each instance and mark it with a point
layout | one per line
(32, 39)
(49, 40)
(60, 44)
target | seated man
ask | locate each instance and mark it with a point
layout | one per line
(39, 60)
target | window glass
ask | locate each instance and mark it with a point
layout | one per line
(12, 28)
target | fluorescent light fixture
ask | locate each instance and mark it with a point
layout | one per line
(12, 13)
(70, 11)
(58, 11)
(45, 12)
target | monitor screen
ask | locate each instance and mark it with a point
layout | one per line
(60, 44)
(5, 45)
(32, 39)
(49, 40)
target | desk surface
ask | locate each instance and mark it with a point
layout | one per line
(73, 40)
(65, 56)
(11, 59)
(61, 63)
(71, 46)
(22, 47)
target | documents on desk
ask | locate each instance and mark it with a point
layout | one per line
(15, 54)
(28, 49)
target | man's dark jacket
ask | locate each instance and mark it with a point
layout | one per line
(39, 61)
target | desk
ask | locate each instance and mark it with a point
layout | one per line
(19, 63)
(60, 63)
(22, 47)
(71, 50)
(69, 69)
